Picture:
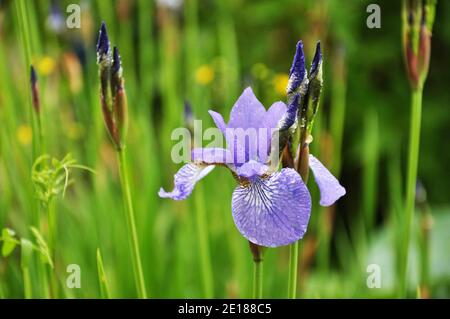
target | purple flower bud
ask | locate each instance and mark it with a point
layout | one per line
(291, 114)
(112, 90)
(117, 63)
(314, 88)
(116, 72)
(33, 76)
(34, 90)
(103, 42)
(317, 61)
(297, 74)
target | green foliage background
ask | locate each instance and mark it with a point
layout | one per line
(243, 43)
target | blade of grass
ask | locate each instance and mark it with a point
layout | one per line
(103, 280)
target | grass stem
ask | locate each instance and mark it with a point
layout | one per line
(202, 235)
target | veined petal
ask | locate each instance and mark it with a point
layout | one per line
(211, 156)
(247, 112)
(252, 169)
(330, 189)
(218, 120)
(185, 180)
(272, 211)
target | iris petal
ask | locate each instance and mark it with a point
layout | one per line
(213, 155)
(218, 120)
(272, 211)
(330, 189)
(247, 112)
(185, 180)
(252, 169)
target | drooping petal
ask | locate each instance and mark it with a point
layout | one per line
(247, 112)
(252, 169)
(246, 118)
(185, 180)
(211, 156)
(330, 189)
(272, 211)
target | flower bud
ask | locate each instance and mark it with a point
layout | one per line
(418, 19)
(34, 90)
(314, 88)
(112, 90)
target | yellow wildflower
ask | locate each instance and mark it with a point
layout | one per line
(24, 134)
(45, 65)
(204, 74)
(280, 82)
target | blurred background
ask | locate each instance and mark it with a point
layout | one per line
(205, 52)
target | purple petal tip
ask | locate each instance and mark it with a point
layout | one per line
(103, 40)
(33, 76)
(117, 63)
(298, 71)
(317, 59)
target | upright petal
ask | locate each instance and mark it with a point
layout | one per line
(274, 114)
(218, 120)
(330, 189)
(271, 119)
(247, 111)
(272, 211)
(211, 156)
(185, 180)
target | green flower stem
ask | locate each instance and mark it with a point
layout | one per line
(424, 245)
(257, 279)
(202, 236)
(293, 260)
(131, 224)
(413, 158)
(303, 169)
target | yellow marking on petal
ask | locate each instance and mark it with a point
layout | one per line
(46, 65)
(24, 134)
(204, 74)
(280, 82)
